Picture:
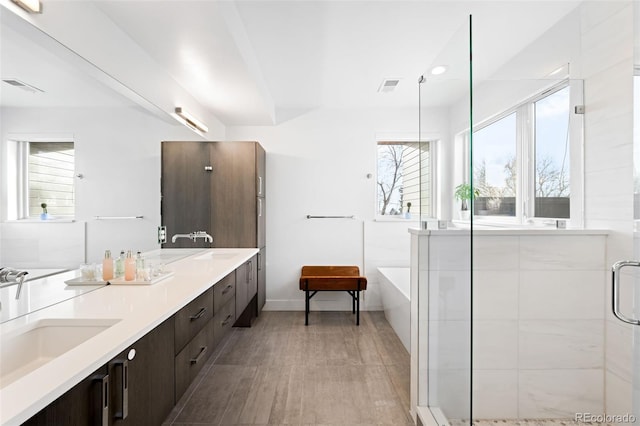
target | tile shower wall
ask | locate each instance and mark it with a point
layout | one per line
(538, 325)
(538, 321)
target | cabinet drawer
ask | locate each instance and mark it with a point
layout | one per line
(190, 319)
(192, 358)
(223, 291)
(223, 320)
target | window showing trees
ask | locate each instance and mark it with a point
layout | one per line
(521, 161)
(494, 171)
(552, 190)
(404, 179)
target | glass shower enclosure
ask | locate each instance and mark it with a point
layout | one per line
(512, 300)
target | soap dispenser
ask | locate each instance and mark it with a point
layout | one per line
(140, 267)
(107, 266)
(129, 267)
(119, 273)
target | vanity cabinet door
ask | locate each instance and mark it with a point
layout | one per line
(142, 379)
(246, 292)
(262, 278)
(86, 404)
(192, 318)
(241, 289)
(223, 292)
(261, 170)
(190, 360)
(233, 196)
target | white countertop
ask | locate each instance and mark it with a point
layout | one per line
(139, 308)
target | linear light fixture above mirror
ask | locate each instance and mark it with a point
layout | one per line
(190, 121)
(31, 6)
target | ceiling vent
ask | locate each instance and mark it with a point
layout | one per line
(388, 85)
(22, 85)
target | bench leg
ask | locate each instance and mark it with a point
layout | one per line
(306, 304)
(358, 303)
(353, 302)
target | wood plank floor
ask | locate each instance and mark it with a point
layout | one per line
(280, 372)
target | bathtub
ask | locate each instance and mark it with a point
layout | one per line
(394, 286)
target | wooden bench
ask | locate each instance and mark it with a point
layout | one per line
(332, 278)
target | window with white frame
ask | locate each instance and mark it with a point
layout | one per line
(45, 177)
(522, 160)
(404, 179)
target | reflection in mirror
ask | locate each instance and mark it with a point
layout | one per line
(39, 230)
(50, 95)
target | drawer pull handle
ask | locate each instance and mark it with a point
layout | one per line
(226, 320)
(199, 314)
(104, 399)
(122, 410)
(226, 289)
(203, 350)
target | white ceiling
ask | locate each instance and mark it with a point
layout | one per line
(263, 62)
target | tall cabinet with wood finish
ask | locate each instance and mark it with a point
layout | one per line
(218, 187)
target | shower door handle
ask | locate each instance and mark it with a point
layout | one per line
(615, 291)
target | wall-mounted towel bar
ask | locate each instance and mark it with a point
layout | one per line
(117, 217)
(330, 217)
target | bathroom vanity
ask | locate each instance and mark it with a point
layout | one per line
(121, 354)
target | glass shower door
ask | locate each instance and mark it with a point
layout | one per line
(552, 149)
(444, 281)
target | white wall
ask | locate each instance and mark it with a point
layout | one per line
(317, 164)
(118, 153)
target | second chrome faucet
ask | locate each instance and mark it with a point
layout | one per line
(193, 236)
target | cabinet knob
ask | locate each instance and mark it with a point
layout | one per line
(208, 168)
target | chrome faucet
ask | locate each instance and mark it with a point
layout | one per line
(10, 276)
(193, 236)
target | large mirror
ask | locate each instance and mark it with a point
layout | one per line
(76, 147)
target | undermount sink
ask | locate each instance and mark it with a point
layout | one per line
(27, 349)
(216, 255)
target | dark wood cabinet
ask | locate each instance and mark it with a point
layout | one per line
(226, 200)
(261, 171)
(192, 318)
(190, 360)
(134, 388)
(86, 404)
(218, 187)
(246, 292)
(262, 277)
(233, 194)
(143, 380)
(186, 185)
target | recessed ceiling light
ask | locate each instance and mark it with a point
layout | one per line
(439, 69)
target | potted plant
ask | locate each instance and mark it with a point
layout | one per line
(44, 215)
(463, 193)
(407, 215)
